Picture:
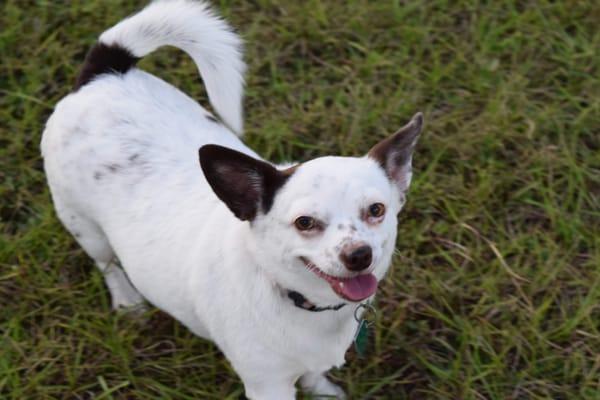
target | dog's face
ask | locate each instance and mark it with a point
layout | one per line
(327, 227)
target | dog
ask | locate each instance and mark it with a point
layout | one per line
(270, 262)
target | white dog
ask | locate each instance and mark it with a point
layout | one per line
(268, 262)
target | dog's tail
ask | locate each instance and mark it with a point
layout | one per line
(186, 24)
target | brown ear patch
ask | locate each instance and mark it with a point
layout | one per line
(394, 154)
(245, 184)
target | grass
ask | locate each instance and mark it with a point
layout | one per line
(495, 289)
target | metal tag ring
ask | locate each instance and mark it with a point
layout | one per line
(368, 307)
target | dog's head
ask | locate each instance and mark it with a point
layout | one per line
(327, 227)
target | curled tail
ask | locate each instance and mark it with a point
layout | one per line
(190, 26)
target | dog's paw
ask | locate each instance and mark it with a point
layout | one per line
(134, 309)
(126, 305)
(321, 387)
(125, 298)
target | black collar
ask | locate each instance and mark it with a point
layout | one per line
(301, 302)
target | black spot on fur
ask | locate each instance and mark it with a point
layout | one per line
(98, 175)
(133, 157)
(114, 168)
(212, 119)
(105, 59)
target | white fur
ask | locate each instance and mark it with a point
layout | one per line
(121, 157)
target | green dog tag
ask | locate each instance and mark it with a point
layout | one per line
(361, 339)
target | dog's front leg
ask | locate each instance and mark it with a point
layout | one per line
(317, 384)
(266, 375)
(268, 389)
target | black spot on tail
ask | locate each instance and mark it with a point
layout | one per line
(105, 59)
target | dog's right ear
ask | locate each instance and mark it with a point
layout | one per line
(246, 185)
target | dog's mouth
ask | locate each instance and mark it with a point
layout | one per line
(355, 288)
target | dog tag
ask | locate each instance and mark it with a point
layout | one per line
(361, 339)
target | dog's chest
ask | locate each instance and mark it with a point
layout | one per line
(317, 340)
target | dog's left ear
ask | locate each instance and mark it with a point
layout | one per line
(394, 154)
(246, 185)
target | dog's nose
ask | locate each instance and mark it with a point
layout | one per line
(357, 258)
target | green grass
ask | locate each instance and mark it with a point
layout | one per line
(495, 289)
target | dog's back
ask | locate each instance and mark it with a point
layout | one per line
(122, 148)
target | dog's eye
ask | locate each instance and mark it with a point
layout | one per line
(376, 210)
(305, 223)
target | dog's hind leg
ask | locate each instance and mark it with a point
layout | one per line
(317, 384)
(124, 295)
(95, 243)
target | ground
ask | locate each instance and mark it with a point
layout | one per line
(495, 288)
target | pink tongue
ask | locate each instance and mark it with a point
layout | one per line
(355, 289)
